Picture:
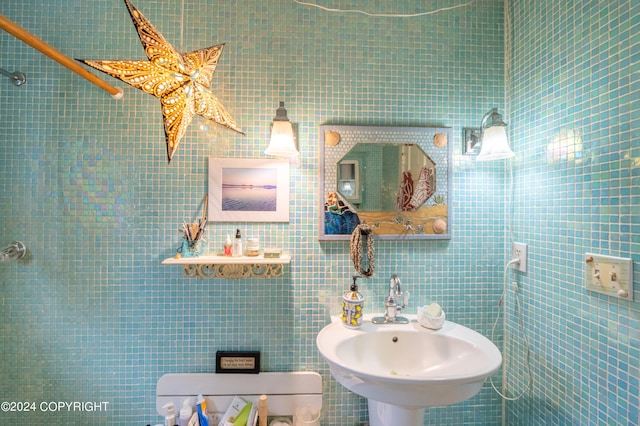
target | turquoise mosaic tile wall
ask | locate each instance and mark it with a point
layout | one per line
(92, 315)
(575, 72)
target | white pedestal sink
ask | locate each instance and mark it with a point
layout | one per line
(404, 368)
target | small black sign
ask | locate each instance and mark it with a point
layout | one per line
(247, 362)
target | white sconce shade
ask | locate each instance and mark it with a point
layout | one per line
(282, 141)
(495, 144)
(346, 188)
(490, 141)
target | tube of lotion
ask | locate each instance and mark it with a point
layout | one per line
(202, 411)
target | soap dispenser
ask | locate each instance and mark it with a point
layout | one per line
(352, 302)
(170, 418)
(237, 245)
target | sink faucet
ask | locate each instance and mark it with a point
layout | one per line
(392, 304)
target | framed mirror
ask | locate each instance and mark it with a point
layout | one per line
(396, 179)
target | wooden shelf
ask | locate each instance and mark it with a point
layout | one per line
(212, 266)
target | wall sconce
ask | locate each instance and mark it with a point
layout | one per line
(490, 141)
(349, 179)
(284, 135)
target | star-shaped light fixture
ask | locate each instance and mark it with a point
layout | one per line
(181, 82)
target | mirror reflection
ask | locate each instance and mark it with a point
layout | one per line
(380, 177)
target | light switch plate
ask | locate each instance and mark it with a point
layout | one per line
(609, 275)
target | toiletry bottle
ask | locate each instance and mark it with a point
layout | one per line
(170, 419)
(237, 244)
(227, 248)
(352, 302)
(253, 247)
(185, 413)
(262, 410)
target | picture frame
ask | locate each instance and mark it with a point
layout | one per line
(248, 190)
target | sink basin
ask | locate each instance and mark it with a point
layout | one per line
(403, 368)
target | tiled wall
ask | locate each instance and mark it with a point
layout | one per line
(91, 315)
(575, 70)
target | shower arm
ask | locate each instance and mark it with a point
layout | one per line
(33, 41)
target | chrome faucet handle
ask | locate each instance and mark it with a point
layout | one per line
(394, 303)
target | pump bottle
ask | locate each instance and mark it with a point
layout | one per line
(170, 418)
(227, 249)
(352, 303)
(237, 244)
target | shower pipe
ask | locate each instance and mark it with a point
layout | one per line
(17, 78)
(33, 41)
(14, 251)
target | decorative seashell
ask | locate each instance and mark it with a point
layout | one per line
(439, 226)
(332, 138)
(440, 140)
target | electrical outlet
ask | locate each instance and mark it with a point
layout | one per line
(519, 250)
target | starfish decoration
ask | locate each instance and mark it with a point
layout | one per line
(181, 82)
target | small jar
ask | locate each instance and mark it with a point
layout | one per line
(253, 247)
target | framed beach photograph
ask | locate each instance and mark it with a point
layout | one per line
(248, 190)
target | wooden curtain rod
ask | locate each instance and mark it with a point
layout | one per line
(33, 41)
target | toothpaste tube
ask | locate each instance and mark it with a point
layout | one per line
(202, 411)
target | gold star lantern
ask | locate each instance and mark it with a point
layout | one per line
(181, 82)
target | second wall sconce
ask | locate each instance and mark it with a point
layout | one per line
(489, 142)
(284, 136)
